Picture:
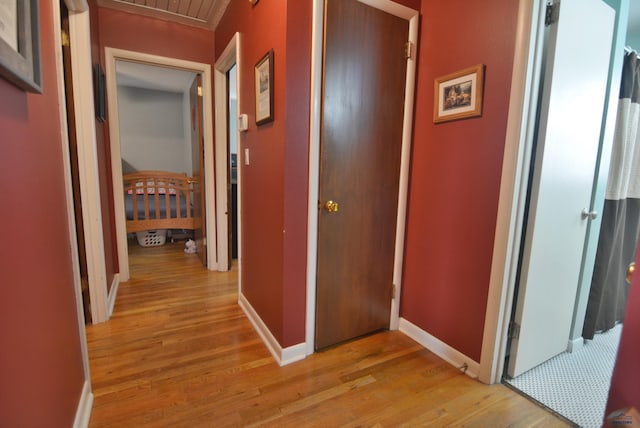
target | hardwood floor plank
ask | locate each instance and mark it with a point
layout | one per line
(179, 352)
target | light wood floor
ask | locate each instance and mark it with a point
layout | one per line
(179, 352)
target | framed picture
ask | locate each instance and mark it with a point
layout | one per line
(20, 44)
(459, 95)
(264, 89)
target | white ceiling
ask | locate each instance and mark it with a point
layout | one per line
(198, 13)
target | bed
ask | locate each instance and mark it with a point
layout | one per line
(158, 200)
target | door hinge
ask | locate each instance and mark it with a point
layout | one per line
(66, 41)
(394, 290)
(199, 91)
(408, 50)
(514, 330)
(552, 14)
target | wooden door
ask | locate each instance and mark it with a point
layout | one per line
(568, 139)
(197, 157)
(361, 140)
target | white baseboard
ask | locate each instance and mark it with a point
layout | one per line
(441, 349)
(282, 356)
(83, 413)
(111, 300)
(575, 344)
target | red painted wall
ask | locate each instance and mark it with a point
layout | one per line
(153, 36)
(274, 185)
(41, 367)
(455, 173)
(625, 382)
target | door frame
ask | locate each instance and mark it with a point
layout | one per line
(111, 56)
(80, 40)
(227, 59)
(521, 123)
(317, 54)
(80, 14)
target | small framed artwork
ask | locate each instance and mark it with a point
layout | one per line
(20, 44)
(264, 89)
(459, 95)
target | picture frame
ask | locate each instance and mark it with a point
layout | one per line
(459, 95)
(99, 92)
(20, 44)
(264, 83)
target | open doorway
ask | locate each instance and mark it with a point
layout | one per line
(113, 57)
(232, 78)
(160, 130)
(228, 164)
(573, 375)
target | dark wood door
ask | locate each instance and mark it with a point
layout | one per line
(197, 159)
(362, 120)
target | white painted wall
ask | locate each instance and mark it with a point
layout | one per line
(152, 130)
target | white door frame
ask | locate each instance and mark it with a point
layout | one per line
(229, 57)
(80, 12)
(111, 56)
(314, 158)
(525, 84)
(80, 37)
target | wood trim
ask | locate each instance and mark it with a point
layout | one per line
(527, 68)
(69, 197)
(441, 349)
(111, 56)
(229, 57)
(317, 36)
(79, 27)
(85, 405)
(113, 294)
(405, 164)
(282, 356)
(314, 158)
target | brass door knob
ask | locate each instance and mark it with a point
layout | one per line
(630, 271)
(331, 206)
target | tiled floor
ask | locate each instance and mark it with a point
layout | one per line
(575, 385)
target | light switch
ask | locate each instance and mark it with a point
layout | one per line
(246, 156)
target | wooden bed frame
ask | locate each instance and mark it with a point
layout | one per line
(149, 185)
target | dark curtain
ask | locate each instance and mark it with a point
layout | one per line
(621, 215)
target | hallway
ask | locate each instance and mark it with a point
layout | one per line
(179, 352)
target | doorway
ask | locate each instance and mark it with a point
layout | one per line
(313, 245)
(359, 171)
(541, 332)
(232, 124)
(74, 163)
(227, 147)
(113, 56)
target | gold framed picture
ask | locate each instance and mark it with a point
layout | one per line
(459, 95)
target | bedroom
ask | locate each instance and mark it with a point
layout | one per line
(155, 135)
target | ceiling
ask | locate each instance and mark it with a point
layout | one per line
(198, 13)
